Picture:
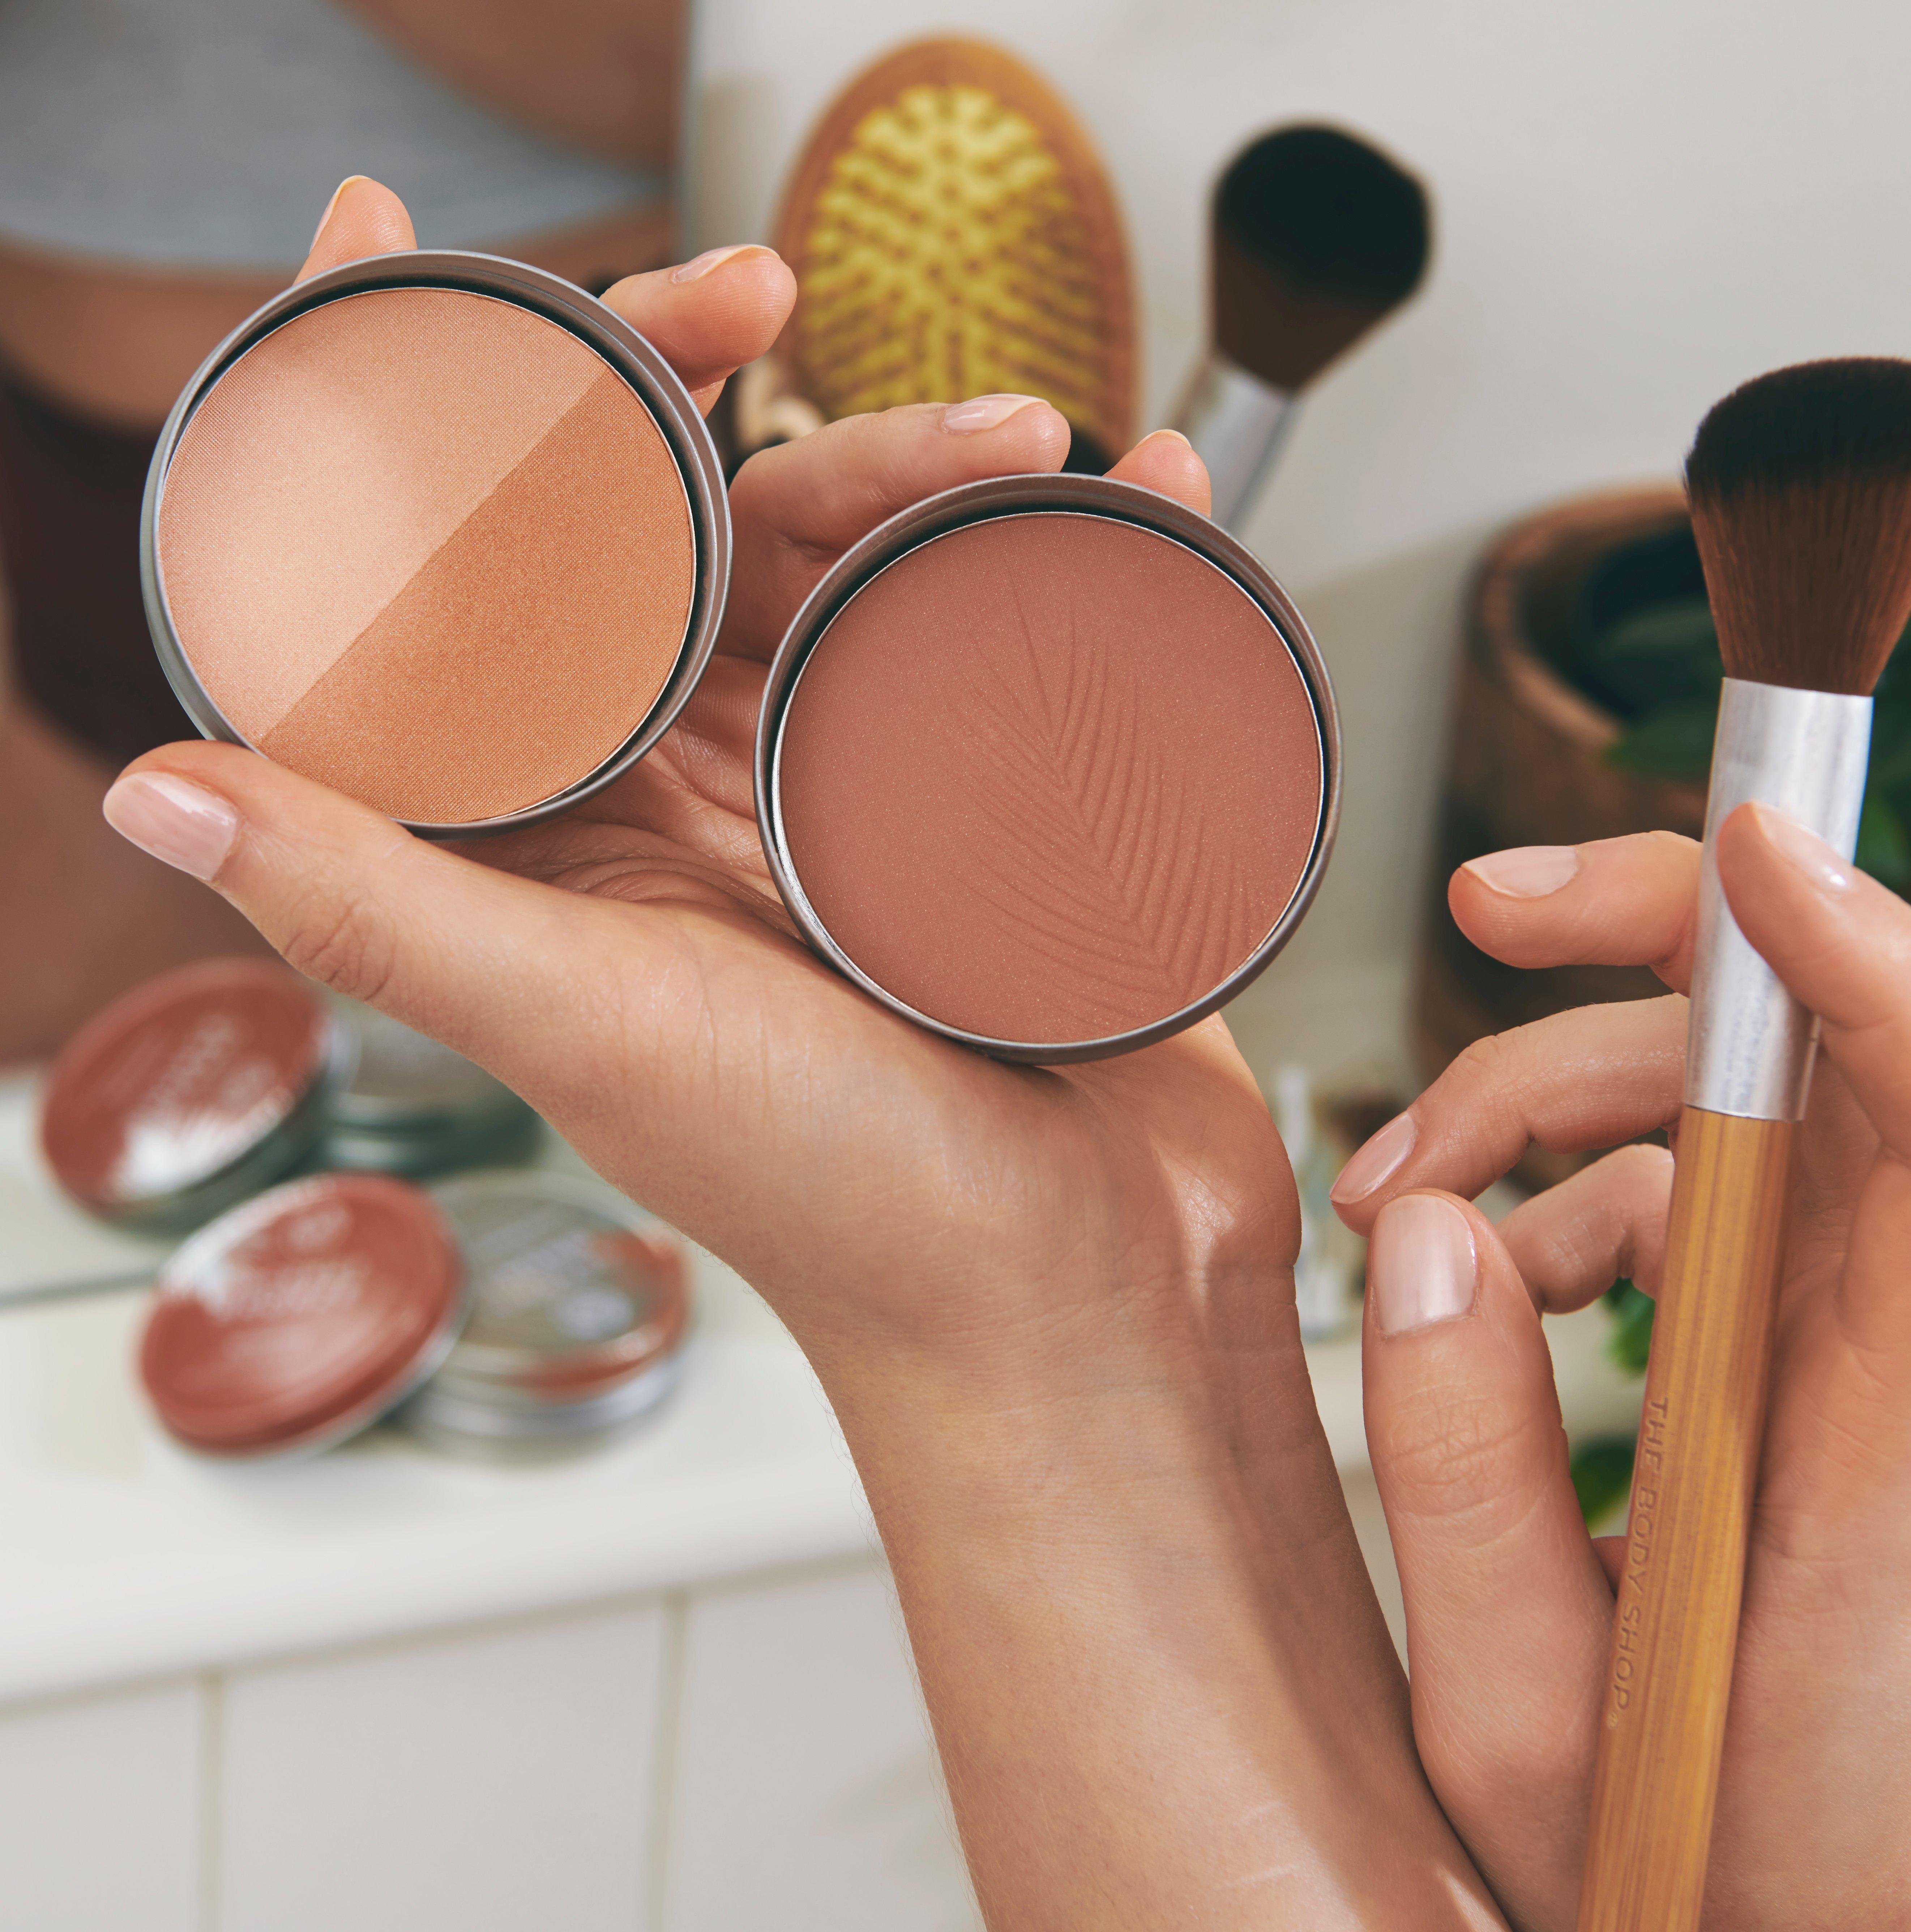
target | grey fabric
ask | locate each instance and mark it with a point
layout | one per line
(209, 133)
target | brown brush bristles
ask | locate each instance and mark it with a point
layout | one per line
(1317, 236)
(1800, 484)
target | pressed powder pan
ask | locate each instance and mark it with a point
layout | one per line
(1049, 765)
(442, 532)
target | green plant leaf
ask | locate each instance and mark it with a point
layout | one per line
(1631, 1339)
(1673, 742)
(1602, 1474)
(1884, 849)
(1681, 627)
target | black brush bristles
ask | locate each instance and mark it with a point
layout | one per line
(1800, 484)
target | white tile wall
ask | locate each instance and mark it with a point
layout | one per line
(806, 1796)
(494, 1782)
(101, 1824)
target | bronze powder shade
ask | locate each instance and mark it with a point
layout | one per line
(441, 532)
(1049, 765)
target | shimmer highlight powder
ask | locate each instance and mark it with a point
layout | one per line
(427, 544)
(1052, 780)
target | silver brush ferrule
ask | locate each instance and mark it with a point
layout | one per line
(1236, 423)
(1750, 1046)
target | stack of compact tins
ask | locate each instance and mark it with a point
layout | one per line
(504, 1314)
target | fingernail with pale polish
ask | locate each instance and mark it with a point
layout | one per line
(1526, 871)
(329, 206)
(1421, 1266)
(1375, 1161)
(1819, 862)
(183, 824)
(981, 413)
(701, 265)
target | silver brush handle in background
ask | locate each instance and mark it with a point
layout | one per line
(1750, 1046)
(1236, 423)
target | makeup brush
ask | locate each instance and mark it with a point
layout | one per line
(1317, 237)
(1800, 484)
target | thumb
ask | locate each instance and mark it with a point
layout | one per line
(1508, 1612)
(478, 959)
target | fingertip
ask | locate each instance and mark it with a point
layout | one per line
(1165, 462)
(363, 218)
(1423, 1263)
(1624, 901)
(188, 826)
(712, 313)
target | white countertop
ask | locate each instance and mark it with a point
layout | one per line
(125, 1557)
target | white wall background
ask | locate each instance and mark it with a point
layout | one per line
(1640, 203)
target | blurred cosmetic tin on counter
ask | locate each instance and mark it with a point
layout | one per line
(199, 1088)
(505, 1316)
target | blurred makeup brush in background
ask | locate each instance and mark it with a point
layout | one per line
(1800, 484)
(1317, 237)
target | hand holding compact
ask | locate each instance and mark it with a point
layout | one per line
(1509, 1603)
(1052, 1308)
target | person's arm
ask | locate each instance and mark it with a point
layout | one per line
(1053, 1309)
(1509, 1603)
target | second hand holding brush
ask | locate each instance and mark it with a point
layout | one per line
(1800, 490)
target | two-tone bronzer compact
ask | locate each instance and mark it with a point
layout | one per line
(441, 532)
(1049, 765)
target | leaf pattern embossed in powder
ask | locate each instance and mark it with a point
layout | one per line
(1050, 777)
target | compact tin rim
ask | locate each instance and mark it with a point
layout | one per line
(514, 1375)
(276, 1152)
(364, 1406)
(633, 358)
(970, 503)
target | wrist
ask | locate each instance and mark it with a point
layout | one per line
(1126, 1603)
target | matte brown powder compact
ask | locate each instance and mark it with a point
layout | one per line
(1049, 765)
(441, 532)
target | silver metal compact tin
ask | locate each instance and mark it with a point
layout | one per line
(193, 1092)
(580, 1307)
(619, 347)
(971, 504)
(416, 1108)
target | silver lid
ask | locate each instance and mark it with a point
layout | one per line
(574, 1291)
(405, 1080)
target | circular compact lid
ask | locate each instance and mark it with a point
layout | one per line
(181, 1079)
(571, 1290)
(302, 1315)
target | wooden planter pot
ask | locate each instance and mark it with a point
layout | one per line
(1527, 767)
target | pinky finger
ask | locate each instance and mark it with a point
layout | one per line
(1572, 1242)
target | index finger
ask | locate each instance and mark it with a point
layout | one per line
(798, 507)
(1629, 901)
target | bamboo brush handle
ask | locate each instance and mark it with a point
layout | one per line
(1677, 1626)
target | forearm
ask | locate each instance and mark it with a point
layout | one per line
(1161, 1698)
